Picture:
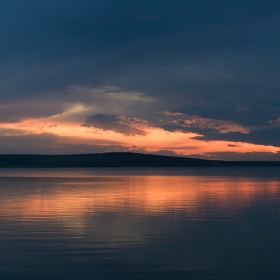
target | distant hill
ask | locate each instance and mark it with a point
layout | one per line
(118, 159)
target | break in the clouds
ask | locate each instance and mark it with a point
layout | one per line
(110, 65)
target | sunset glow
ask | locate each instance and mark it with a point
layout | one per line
(155, 139)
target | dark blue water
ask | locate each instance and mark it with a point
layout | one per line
(203, 223)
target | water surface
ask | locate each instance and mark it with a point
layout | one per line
(200, 223)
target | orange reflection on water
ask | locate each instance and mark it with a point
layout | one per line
(141, 195)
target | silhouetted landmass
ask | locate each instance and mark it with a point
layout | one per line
(118, 159)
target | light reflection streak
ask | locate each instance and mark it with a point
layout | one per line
(138, 195)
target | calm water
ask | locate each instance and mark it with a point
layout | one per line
(203, 223)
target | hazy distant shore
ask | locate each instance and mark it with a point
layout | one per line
(118, 159)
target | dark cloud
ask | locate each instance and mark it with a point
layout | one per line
(119, 124)
(269, 136)
(56, 43)
(212, 59)
(263, 136)
(216, 129)
(176, 127)
(257, 110)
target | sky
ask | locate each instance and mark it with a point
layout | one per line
(197, 78)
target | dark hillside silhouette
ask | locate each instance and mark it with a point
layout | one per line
(118, 159)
